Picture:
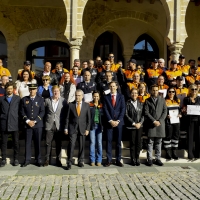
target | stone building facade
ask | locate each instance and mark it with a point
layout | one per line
(173, 25)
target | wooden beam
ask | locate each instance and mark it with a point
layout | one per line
(152, 1)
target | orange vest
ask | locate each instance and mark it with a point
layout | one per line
(114, 67)
(133, 85)
(4, 72)
(154, 73)
(20, 73)
(65, 70)
(191, 79)
(172, 103)
(184, 68)
(162, 87)
(130, 73)
(71, 72)
(171, 75)
(142, 99)
(182, 91)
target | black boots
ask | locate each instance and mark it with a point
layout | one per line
(168, 154)
(174, 155)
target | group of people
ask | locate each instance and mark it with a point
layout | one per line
(102, 98)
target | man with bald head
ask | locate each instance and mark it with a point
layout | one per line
(47, 71)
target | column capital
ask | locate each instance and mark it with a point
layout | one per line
(175, 50)
(76, 43)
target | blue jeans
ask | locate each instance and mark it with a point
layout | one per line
(96, 142)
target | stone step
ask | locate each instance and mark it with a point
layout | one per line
(125, 157)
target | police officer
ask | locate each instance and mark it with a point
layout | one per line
(87, 86)
(32, 111)
(91, 69)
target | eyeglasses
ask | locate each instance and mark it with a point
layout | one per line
(111, 56)
(171, 91)
(193, 89)
(45, 80)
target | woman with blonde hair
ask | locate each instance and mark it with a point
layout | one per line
(193, 122)
(142, 92)
(45, 90)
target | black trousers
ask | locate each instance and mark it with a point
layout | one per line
(135, 142)
(36, 134)
(57, 136)
(172, 136)
(4, 140)
(194, 137)
(71, 146)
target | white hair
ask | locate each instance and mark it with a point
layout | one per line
(81, 91)
(161, 60)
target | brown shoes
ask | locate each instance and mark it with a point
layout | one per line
(46, 163)
(107, 164)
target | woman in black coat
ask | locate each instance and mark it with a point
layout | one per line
(134, 119)
(193, 123)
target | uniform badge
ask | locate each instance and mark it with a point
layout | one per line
(27, 102)
(36, 103)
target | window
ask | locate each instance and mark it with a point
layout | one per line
(52, 51)
(145, 49)
(3, 49)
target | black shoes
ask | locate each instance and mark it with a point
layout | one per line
(46, 163)
(16, 162)
(108, 164)
(39, 164)
(137, 162)
(118, 163)
(168, 154)
(69, 166)
(80, 164)
(149, 163)
(133, 162)
(174, 155)
(3, 163)
(58, 163)
(159, 163)
(25, 164)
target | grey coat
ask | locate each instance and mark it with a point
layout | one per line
(155, 112)
(58, 115)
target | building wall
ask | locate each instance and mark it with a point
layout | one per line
(191, 47)
(127, 20)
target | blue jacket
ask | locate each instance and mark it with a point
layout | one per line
(117, 112)
(41, 89)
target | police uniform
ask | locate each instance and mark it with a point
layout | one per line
(172, 131)
(92, 71)
(33, 109)
(89, 87)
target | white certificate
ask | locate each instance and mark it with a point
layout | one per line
(181, 97)
(88, 97)
(174, 116)
(107, 92)
(163, 93)
(193, 110)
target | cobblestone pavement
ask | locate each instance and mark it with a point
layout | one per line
(161, 185)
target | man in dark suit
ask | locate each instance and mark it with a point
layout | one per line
(32, 111)
(77, 125)
(114, 109)
(47, 71)
(9, 124)
(156, 112)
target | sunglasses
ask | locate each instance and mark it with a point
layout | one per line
(45, 80)
(171, 91)
(193, 89)
(111, 56)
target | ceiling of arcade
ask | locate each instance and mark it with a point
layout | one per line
(98, 14)
(24, 18)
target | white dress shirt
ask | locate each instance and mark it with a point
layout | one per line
(55, 104)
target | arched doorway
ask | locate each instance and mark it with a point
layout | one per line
(108, 42)
(51, 51)
(145, 49)
(3, 49)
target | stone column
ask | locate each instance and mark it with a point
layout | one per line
(75, 46)
(127, 57)
(175, 51)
